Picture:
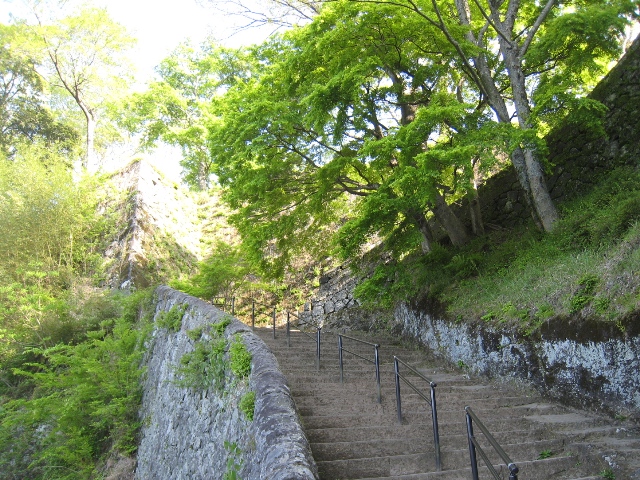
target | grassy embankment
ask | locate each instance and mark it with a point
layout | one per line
(587, 268)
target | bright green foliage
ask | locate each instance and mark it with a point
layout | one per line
(51, 234)
(84, 404)
(222, 273)
(247, 404)
(204, 367)
(325, 132)
(24, 114)
(373, 117)
(570, 56)
(177, 109)
(239, 358)
(172, 319)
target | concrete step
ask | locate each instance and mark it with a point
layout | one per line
(352, 436)
(566, 467)
(523, 450)
(451, 435)
(422, 467)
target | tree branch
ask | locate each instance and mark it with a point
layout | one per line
(541, 18)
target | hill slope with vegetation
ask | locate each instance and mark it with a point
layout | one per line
(363, 125)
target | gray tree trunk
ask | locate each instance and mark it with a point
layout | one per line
(452, 225)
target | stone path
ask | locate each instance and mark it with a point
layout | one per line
(354, 437)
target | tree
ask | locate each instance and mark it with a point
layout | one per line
(85, 53)
(24, 114)
(222, 274)
(508, 50)
(275, 14)
(525, 59)
(177, 109)
(347, 120)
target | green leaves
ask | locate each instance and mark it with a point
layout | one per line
(85, 403)
(178, 109)
(50, 234)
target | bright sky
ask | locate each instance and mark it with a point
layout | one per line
(160, 25)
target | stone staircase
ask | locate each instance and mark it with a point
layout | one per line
(352, 436)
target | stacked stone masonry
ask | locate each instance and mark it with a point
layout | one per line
(188, 434)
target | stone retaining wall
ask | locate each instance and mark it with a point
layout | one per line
(575, 364)
(185, 431)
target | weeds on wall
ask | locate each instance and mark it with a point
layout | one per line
(247, 404)
(172, 319)
(213, 360)
(234, 461)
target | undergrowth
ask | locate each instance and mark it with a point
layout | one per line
(85, 401)
(524, 278)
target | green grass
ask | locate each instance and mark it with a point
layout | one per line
(523, 278)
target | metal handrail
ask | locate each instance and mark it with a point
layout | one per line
(431, 401)
(475, 447)
(375, 361)
(253, 316)
(317, 337)
(222, 302)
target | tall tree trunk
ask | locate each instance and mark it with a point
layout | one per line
(527, 166)
(452, 225)
(477, 225)
(90, 159)
(545, 210)
(425, 230)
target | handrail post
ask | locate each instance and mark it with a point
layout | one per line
(288, 330)
(472, 447)
(377, 360)
(318, 333)
(396, 368)
(513, 472)
(253, 314)
(340, 357)
(274, 323)
(436, 433)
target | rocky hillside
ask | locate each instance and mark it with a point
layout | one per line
(163, 230)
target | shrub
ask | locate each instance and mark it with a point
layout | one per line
(85, 404)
